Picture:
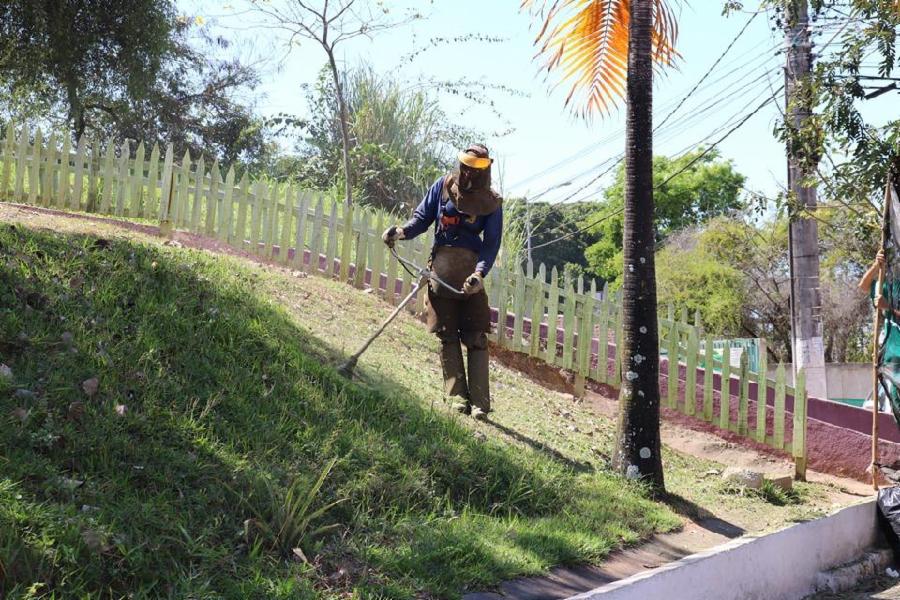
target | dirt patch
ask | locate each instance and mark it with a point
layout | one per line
(688, 437)
(548, 376)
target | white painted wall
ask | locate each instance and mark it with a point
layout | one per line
(845, 380)
(779, 566)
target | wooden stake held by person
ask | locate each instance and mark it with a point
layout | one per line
(884, 223)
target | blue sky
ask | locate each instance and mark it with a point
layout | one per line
(545, 133)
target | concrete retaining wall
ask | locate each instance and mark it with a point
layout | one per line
(779, 566)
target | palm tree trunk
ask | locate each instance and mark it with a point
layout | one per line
(638, 446)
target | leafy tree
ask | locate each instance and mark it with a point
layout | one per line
(556, 235)
(401, 139)
(130, 71)
(329, 24)
(690, 276)
(196, 103)
(736, 274)
(849, 154)
(77, 52)
(689, 190)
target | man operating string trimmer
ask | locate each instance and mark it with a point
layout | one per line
(468, 223)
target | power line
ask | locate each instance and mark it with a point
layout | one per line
(710, 70)
(668, 179)
(688, 95)
(727, 123)
(721, 139)
(676, 129)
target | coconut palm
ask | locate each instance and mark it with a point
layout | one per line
(606, 49)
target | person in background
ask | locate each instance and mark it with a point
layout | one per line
(886, 300)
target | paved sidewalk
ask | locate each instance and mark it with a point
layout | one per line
(563, 582)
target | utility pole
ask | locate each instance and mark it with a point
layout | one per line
(806, 305)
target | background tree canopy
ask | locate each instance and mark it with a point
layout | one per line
(706, 187)
(129, 70)
(735, 273)
(401, 140)
(78, 53)
(556, 238)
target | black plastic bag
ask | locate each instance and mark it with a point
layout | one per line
(889, 518)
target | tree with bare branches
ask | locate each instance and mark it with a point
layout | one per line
(329, 23)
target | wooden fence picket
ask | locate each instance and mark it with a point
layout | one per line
(212, 199)
(762, 387)
(585, 337)
(744, 395)
(708, 379)
(778, 441)
(226, 213)
(49, 179)
(135, 208)
(300, 232)
(8, 159)
(180, 202)
(123, 179)
(257, 198)
(690, 383)
(537, 311)
(151, 204)
(672, 372)
(287, 224)
(518, 309)
(568, 327)
(197, 205)
(62, 197)
(168, 184)
(78, 183)
(502, 291)
(725, 392)
(362, 245)
(20, 166)
(552, 317)
(35, 171)
(271, 221)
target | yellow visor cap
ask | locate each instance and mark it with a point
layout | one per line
(474, 162)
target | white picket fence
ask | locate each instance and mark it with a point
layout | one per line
(561, 323)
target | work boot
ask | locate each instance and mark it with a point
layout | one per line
(479, 415)
(479, 379)
(454, 368)
(463, 408)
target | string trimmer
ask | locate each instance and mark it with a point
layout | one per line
(421, 275)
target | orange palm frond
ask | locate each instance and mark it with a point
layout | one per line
(588, 41)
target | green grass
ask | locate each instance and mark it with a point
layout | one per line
(221, 439)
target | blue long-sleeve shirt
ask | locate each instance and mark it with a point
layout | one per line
(481, 235)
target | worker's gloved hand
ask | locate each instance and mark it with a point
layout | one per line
(474, 284)
(391, 235)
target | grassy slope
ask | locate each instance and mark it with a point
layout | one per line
(231, 403)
